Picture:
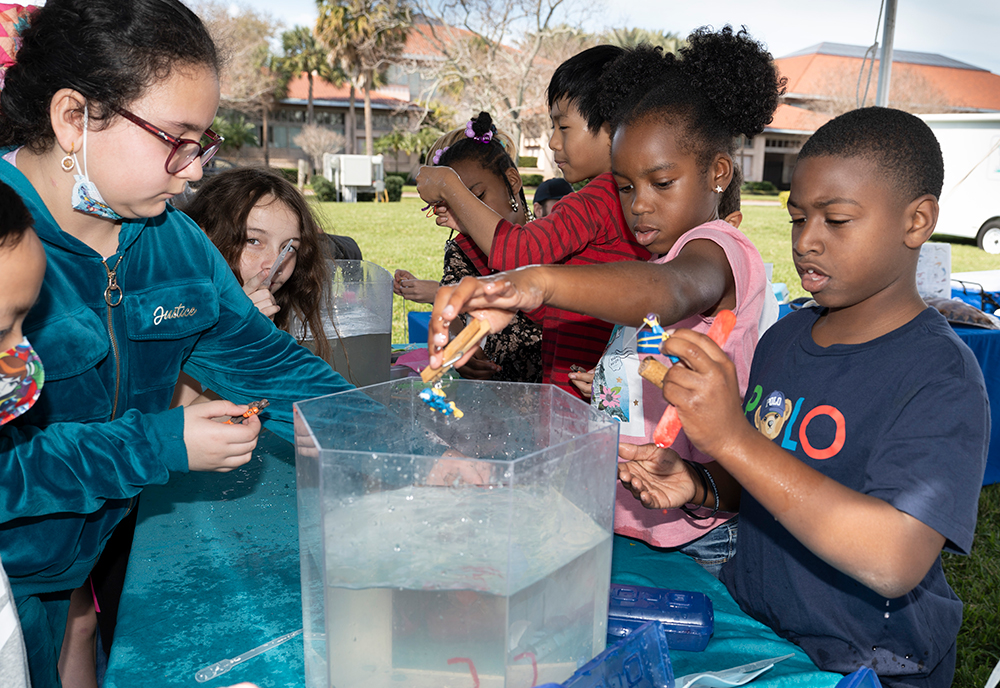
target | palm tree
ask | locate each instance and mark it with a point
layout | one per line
(631, 38)
(362, 35)
(302, 53)
(236, 131)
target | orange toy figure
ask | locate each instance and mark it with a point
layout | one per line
(670, 423)
(255, 407)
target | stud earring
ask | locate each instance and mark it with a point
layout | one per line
(513, 204)
(718, 189)
(67, 163)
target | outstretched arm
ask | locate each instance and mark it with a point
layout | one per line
(865, 537)
(698, 280)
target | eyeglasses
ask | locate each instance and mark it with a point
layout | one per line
(184, 151)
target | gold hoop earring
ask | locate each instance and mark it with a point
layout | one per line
(68, 163)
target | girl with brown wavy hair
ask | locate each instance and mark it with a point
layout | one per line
(251, 214)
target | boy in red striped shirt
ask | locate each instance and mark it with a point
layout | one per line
(584, 227)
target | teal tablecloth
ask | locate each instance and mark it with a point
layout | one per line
(738, 639)
(215, 571)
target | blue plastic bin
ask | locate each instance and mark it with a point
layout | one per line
(687, 618)
(417, 323)
(641, 660)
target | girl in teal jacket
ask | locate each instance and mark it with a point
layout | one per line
(104, 117)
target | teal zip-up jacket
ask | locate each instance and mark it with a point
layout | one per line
(100, 430)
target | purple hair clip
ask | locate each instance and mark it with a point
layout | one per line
(485, 138)
(436, 159)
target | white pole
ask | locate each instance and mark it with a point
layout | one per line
(885, 61)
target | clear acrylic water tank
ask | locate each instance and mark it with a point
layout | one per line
(447, 552)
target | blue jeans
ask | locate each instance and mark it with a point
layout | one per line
(714, 548)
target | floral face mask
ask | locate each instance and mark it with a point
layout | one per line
(21, 380)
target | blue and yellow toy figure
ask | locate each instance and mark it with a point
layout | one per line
(650, 342)
(437, 400)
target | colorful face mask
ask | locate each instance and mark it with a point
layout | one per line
(21, 380)
(86, 198)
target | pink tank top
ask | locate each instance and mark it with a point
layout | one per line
(619, 391)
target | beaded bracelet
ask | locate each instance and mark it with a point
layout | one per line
(703, 474)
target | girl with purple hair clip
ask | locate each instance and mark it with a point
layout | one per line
(483, 157)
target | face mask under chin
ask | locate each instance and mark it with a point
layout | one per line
(86, 198)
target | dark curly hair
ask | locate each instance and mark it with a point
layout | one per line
(729, 200)
(722, 84)
(221, 208)
(108, 50)
(15, 218)
(578, 80)
(496, 157)
(901, 145)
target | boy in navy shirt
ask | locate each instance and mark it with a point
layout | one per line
(861, 443)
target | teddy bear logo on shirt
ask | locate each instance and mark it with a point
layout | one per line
(771, 416)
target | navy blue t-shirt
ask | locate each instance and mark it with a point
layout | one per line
(904, 418)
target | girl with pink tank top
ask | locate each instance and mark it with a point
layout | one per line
(675, 123)
(637, 404)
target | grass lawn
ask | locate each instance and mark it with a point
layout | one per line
(397, 235)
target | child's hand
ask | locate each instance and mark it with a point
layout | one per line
(450, 472)
(445, 218)
(260, 295)
(583, 380)
(499, 296)
(479, 367)
(705, 390)
(413, 289)
(304, 444)
(398, 277)
(656, 477)
(432, 183)
(215, 446)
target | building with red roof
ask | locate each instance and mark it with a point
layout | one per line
(831, 78)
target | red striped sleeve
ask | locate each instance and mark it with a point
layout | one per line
(585, 228)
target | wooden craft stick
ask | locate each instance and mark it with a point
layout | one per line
(463, 341)
(652, 370)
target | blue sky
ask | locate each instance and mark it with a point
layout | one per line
(966, 31)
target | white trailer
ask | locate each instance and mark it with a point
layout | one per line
(970, 199)
(354, 173)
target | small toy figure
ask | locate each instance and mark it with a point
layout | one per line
(437, 400)
(255, 408)
(649, 342)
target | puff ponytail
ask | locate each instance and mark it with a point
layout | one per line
(722, 84)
